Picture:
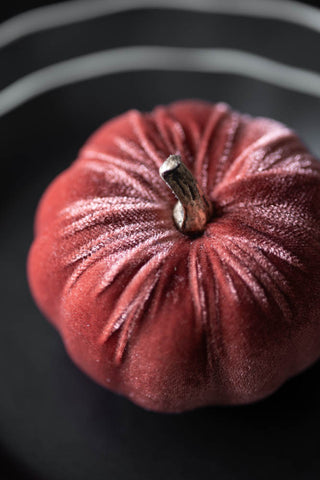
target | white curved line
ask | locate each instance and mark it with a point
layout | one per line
(220, 60)
(50, 16)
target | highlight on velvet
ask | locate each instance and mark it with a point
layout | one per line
(198, 285)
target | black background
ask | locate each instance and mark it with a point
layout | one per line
(54, 422)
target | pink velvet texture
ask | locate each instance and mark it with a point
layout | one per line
(175, 322)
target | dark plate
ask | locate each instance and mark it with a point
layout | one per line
(55, 422)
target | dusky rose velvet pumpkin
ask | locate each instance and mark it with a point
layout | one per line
(174, 320)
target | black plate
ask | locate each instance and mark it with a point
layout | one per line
(55, 422)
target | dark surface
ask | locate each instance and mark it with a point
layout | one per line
(54, 422)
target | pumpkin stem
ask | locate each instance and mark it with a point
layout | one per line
(193, 210)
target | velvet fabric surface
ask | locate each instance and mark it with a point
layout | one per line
(170, 321)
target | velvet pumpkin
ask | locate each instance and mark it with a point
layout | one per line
(176, 321)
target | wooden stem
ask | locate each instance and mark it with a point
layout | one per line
(193, 210)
